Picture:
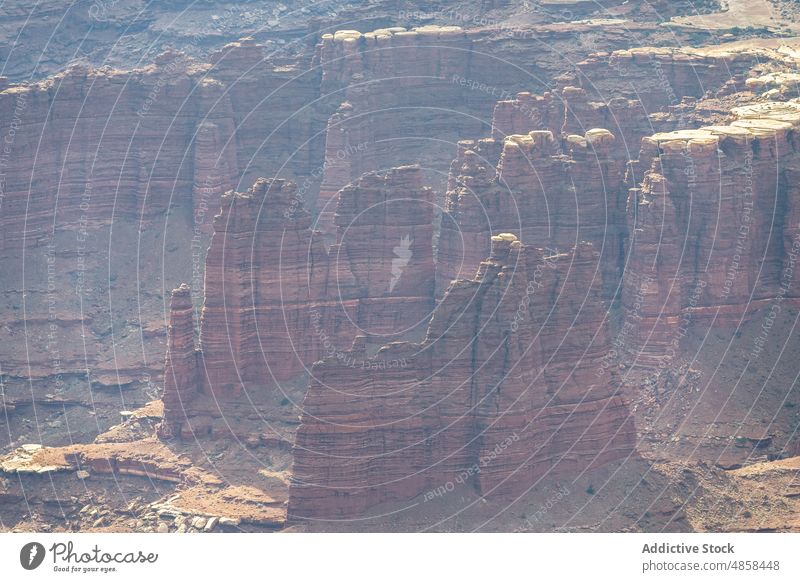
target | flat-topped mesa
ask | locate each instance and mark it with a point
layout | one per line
(546, 197)
(182, 381)
(661, 75)
(118, 150)
(703, 227)
(503, 391)
(147, 134)
(413, 53)
(391, 84)
(570, 111)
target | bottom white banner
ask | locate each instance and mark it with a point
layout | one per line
(378, 557)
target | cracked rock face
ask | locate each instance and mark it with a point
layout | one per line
(710, 249)
(276, 300)
(462, 251)
(501, 393)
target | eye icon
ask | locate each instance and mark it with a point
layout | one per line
(31, 555)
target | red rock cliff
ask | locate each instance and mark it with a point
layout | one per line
(550, 198)
(502, 391)
(714, 228)
(182, 367)
(276, 301)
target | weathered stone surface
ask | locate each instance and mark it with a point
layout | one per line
(502, 391)
(384, 248)
(527, 112)
(408, 95)
(105, 167)
(569, 111)
(182, 379)
(109, 180)
(661, 76)
(549, 198)
(145, 165)
(714, 228)
(265, 267)
(276, 301)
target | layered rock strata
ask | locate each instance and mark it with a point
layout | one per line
(551, 197)
(660, 76)
(276, 301)
(392, 84)
(714, 227)
(502, 392)
(409, 95)
(264, 269)
(383, 254)
(569, 111)
(160, 144)
(181, 370)
(104, 167)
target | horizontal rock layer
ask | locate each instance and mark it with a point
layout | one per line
(145, 165)
(715, 228)
(712, 205)
(502, 392)
(276, 300)
(112, 178)
(547, 195)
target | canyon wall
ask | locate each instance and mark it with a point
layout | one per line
(501, 393)
(659, 77)
(110, 180)
(568, 110)
(403, 101)
(102, 161)
(537, 191)
(396, 258)
(276, 300)
(551, 171)
(714, 228)
(408, 96)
